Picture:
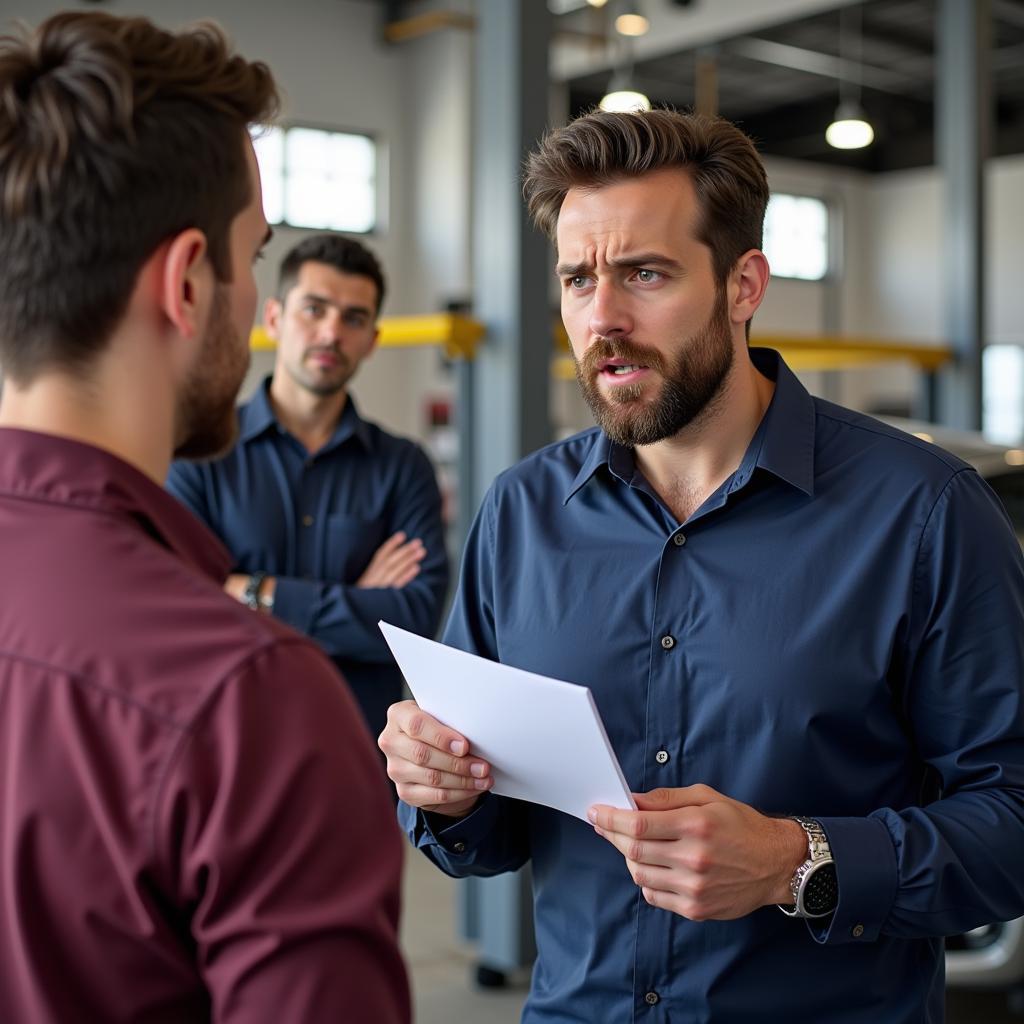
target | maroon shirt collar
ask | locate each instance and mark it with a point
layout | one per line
(58, 470)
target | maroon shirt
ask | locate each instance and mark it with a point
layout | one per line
(194, 824)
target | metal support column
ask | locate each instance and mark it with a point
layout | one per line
(963, 126)
(512, 265)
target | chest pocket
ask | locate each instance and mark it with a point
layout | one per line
(349, 545)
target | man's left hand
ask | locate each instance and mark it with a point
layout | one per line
(702, 855)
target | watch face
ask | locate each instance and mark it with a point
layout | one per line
(821, 891)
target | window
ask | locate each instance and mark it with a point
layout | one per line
(1002, 385)
(796, 237)
(318, 179)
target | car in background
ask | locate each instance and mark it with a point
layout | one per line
(990, 957)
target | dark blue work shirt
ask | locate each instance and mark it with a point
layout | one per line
(315, 521)
(837, 632)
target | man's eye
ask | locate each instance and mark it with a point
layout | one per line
(578, 281)
(647, 276)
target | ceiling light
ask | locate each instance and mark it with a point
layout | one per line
(597, 3)
(622, 96)
(850, 128)
(625, 101)
(631, 22)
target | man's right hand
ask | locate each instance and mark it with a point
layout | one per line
(394, 564)
(430, 764)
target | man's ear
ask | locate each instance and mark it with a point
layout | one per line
(747, 285)
(187, 282)
(272, 310)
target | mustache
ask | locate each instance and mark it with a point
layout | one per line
(331, 350)
(604, 349)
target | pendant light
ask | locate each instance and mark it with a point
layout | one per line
(850, 128)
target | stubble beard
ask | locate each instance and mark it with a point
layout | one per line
(691, 384)
(323, 387)
(207, 422)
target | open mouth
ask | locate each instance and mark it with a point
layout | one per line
(621, 371)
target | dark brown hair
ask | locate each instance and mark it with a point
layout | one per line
(600, 148)
(346, 255)
(114, 136)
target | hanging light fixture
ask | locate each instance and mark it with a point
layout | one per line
(623, 100)
(850, 128)
(631, 22)
(623, 96)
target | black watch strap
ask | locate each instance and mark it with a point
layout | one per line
(251, 593)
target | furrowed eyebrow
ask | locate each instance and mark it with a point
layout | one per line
(653, 260)
(324, 301)
(572, 269)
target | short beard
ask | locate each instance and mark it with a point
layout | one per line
(325, 388)
(207, 421)
(691, 384)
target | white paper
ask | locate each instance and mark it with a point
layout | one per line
(543, 738)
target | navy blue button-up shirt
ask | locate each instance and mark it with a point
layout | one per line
(315, 521)
(847, 613)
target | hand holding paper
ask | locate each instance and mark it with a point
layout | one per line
(542, 738)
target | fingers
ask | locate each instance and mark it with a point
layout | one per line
(656, 825)
(395, 563)
(652, 853)
(684, 796)
(429, 763)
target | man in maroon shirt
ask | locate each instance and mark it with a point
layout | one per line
(193, 821)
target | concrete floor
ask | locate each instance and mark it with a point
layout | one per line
(442, 966)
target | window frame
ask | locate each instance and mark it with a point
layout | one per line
(833, 237)
(380, 174)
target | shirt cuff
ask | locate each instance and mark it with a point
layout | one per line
(866, 870)
(457, 841)
(295, 601)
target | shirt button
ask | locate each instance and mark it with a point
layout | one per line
(307, 520)
(459, 847)
(858, 930)
(651, 998)
(668, 642)
(679, 539)
(661, 757)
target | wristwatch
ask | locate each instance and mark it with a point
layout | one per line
(251, 594)
(814, 885)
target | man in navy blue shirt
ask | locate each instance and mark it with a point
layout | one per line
(804, 631)
(332, 522)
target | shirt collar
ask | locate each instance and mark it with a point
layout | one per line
(783, 444)
(257, 416)
(62, 471)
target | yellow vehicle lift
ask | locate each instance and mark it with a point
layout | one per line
(459, 336)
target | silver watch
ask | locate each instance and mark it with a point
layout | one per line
(814, 885)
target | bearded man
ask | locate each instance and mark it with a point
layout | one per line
(804, 631)
(194, 824)
(332, 522)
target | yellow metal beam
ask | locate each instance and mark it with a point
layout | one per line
(838, 352)
(423, 24)
(458, 334)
